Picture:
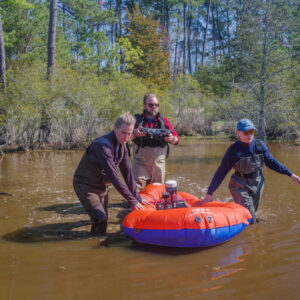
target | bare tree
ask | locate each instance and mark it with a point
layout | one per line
(214, 31)
(45, 128)
(189, 42)
(205, 33)
(184, 37)
(267, 53)
(52, 38)
(2, 59)
(228, 28)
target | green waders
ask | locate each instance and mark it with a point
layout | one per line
(247, 183)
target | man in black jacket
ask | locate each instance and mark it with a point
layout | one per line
(98, 169)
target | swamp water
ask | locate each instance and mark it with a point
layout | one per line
(46, 251)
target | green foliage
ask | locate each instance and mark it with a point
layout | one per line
(107, 59)
(216, 78)
(82, 21)
(132, 56)
(186, 100)
(26, 35)
(5, 4)
(146, 37)
(80, 106)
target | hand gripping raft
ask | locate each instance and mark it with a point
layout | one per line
(194, 226)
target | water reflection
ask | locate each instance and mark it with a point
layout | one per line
(65, 208)
(48, 232)
(223, 265)
(71, 230)
(226, 266)
(236, 255)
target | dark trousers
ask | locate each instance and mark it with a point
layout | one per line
(94, 200)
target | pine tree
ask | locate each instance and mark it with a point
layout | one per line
(2, 59)
(146, 35)
(5, 4)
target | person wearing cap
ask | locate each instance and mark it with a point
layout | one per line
(98, 169)
(246, 156)
(149, 152)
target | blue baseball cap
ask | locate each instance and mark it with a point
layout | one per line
(244, 125)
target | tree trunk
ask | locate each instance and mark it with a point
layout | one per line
(112, 26)
(214, 31)
(205, 33)
(175, 59)
(51, 38)
(64, 25)
(118, 32)
(45, 128)
(197, 39)
(176, 51)
(167, 17)
(221, 44)
(2, 59)
(228, 29)
(261, 127)
(184, 38)
(98, 53)
(189, 44)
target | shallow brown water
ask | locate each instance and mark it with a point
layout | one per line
(46, 251)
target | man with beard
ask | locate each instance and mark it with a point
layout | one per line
(150, 150)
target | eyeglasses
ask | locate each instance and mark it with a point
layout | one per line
(153, 104)
(249, 132)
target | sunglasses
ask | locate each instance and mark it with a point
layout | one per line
(153, 104)
(249, 132)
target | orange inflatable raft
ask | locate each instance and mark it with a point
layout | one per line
(195, 225)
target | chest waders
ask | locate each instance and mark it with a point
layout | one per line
(247, 183)
(149, 154)
(151, 141)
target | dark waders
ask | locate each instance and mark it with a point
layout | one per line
(95, 202)
(247, 183)
(91, 181)
(91, 189)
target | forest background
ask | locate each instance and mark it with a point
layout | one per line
(69, 68)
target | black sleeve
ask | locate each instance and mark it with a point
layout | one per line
(226, 164)
(127, 174)
(104, 155)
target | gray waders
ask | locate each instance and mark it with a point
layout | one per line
(247, 183)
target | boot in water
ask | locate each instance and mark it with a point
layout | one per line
(98, 228)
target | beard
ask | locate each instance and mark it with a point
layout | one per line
(149, 114)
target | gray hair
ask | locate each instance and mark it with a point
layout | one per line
(125, 118)
(148, 95)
